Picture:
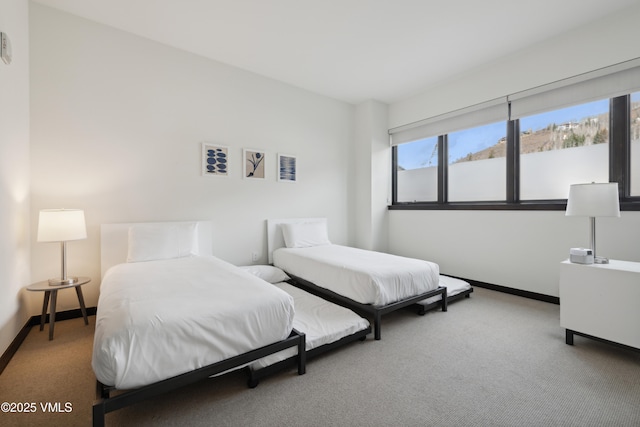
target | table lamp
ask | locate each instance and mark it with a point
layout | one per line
(61, 225)
(594, 200)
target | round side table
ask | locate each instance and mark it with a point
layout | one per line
(51, 293)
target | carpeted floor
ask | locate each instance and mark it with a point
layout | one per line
(492, 360)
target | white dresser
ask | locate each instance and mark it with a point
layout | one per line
(601, 301)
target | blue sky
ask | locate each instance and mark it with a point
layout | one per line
(418, 154)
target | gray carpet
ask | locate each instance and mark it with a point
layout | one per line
(492, 360)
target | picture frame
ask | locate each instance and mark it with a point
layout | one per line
(5, 48)
(287, 168)
(254, 164)
(215, 160)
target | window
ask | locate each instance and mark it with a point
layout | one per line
(634, 136)
(417, 174)
(563, 147)
(525, 150)
(477, 165)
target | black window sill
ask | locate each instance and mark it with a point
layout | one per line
(538, 205)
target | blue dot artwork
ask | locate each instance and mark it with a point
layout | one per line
(216, 161)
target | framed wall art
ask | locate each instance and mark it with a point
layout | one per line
(287, 168)
(215, 160)
(254, 167)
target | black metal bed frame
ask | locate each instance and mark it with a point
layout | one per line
(256, 375)
(106, 403)
(423, 308)
(376, 311)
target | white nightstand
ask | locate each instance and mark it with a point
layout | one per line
(601, 301)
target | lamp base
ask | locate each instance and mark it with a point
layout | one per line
(60, 282)
(601, 260)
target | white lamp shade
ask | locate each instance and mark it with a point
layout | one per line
(594, 200)
(61, 225)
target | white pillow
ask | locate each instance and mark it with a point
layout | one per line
(305, 234)
(267, 272)
(150, 242)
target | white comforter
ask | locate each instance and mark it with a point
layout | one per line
(367, 277)
(158, 319)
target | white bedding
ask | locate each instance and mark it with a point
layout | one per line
(454, 287)
(321, 321)
(364, 276)
(158, 319)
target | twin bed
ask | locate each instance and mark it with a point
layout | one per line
(326, 326)
(368, 282)
(170, 313)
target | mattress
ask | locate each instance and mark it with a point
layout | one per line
(159, 319)
(321, 321)
(454, 287)
(367, 277)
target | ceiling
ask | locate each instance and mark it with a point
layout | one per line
(351, 50)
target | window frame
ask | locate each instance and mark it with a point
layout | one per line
(619, 170)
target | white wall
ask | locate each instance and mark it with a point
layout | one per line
(14, 173)
(117, 122)
(517, 249)
(609, 41)
(520, 250)
(372, 176)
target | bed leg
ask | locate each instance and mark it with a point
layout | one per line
(376, 326)
(444, 299)
(98, 414)
(102, 393)
(252, 381)
(302, 354)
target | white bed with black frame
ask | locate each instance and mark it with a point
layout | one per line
(364, 281)
(163, 300)
(456, 289)
(326, 326)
